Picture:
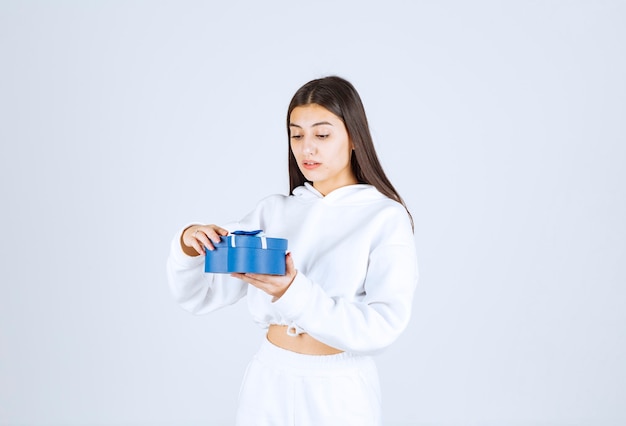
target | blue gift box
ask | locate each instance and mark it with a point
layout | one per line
(247, 251)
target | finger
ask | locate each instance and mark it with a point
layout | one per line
(198, 247)
(221, 231)
(214, 233)
(257, 280)
(255, 277)
(290, 267)
(188, 240)
(200, 238)
(242, 277)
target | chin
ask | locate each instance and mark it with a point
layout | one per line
(307, 175)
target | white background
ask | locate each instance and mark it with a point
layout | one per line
(501, 123)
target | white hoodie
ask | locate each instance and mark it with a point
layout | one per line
(357, 269)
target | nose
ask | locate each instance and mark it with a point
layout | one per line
(308, 146)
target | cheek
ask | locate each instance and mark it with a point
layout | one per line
(294, 149)
(343, 156)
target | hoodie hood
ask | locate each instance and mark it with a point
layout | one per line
(350, 194)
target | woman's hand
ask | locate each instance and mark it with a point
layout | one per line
(197, 237)
(274, 285)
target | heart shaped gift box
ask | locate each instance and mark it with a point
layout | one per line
(247, 251)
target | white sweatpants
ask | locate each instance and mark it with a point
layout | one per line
(283, 388)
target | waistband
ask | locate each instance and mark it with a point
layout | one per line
(279, 358)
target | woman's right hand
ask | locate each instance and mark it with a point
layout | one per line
(195, 238)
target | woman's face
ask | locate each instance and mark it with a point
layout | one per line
(321, 146)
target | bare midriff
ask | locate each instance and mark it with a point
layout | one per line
(300, 343)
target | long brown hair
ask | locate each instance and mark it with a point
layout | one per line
(340, 97)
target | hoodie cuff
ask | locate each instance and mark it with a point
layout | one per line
(293, 302)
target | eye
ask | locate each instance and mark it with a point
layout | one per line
(296, 137)
(322, 136)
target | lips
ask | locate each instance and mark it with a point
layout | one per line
(310, 165)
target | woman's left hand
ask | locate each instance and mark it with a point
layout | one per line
(274, 285)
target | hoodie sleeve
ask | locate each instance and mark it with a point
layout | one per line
(193, 289)
(371, 323)
(199, 292)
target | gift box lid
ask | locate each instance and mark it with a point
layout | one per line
(253, 239)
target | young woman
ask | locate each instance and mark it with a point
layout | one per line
(350, 273)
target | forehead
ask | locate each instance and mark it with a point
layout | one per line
(308, 115)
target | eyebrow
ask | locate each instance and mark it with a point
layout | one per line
(321, 123)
